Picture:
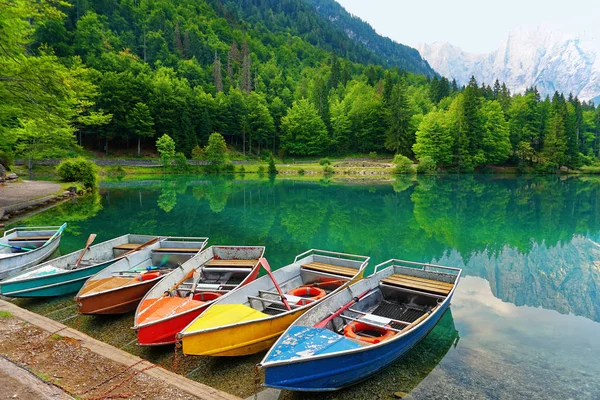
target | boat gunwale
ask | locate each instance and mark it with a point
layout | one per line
(442, 307)
(360, 270)
(203, 240)
(65, 271)
(46, 244)
(206, 304)
(34, 289)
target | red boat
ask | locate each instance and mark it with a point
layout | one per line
(190, 289)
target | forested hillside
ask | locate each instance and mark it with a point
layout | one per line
(392, 53)
(264, 74)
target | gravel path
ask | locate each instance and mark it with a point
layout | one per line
(19, 192)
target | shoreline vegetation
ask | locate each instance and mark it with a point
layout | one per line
(250, 78)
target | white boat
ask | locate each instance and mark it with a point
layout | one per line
(24, 247)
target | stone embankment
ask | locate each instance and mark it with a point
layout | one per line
(19, 198)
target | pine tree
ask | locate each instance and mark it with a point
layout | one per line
(246, 68)
(177, 40)
(187, 53)
(217, 76)
(497, 89)
(399, 137)
(334, 79)
(233, 58)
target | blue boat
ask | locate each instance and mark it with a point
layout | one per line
(361, 330)
(60, 276)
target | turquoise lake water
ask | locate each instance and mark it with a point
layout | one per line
(524, 323)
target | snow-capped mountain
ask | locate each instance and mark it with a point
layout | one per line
(528, 57)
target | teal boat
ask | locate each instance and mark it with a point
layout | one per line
(60, 276)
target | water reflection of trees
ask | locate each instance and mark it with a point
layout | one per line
(496, 226)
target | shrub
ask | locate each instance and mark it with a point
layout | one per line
(79, 170)
(403, 164)
(197, 153)
(242, 170)
(325, 161)
(272, 169)
(229, 168)
(373, 155)
(116, 170)
(301, 171)
(260, 170)
(328, 170)
(266, 155)
(216, 152)
(426, 165)
(181, 164)
(166, 149)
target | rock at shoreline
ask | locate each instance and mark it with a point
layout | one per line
(12, 176)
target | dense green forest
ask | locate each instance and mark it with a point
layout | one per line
(267, 75)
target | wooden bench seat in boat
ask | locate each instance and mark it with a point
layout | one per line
(176, 250)
(231, 263)
(423, 284)
(331, 269)
(29, 238)
(127, 246)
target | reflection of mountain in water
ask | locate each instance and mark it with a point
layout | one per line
(564, 277)
(524, 235)
(402, 376)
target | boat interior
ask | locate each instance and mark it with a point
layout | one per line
(164, 257)
(25, 237)
(399, 302)
(215, 278)
(315, 280)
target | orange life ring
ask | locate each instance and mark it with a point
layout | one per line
(308, 292)
(206, 296)
(353, 329)
(147, 276)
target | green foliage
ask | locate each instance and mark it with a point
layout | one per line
(434, 139)
(242, 170)
(260, 170)
(181, 164)
(116, 170)
(79, 170)
(426, 165)
(301, 171)
(403, 165)
(324, 161)
(197, 153)
(272, 169)
(303, 131)
(373, 155)
(5, 314)
(229, 168)
(328, 170)
(166, 149)
(216, 152)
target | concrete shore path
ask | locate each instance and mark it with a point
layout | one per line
(23, 191)
(134, 363)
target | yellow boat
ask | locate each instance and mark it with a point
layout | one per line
(250, 319)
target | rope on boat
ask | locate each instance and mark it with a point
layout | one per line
(257, 381)
(176, 355)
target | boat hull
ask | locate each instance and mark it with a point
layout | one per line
(239, 340)
(117, 301)
(13, 265)
(336, 372)
(51, 285)
(165, 331)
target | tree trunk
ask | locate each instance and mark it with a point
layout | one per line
(106, 145)
(244, 143)
(139, 148)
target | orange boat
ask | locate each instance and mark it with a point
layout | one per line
(119, 288)
(186, 292)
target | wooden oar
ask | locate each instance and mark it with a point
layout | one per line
(263, 261)
(185, 278)
(89, 242)
(141, 246)
(343, 308)
(16, 247)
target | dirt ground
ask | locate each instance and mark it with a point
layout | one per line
(18, 383)
(80, 373)
(19, 192)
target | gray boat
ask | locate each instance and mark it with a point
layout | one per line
(24, 247)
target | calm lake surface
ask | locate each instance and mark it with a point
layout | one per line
(524, 323)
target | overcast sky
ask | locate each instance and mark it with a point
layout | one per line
(477, 26)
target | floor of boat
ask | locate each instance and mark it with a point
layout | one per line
(399, 311)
